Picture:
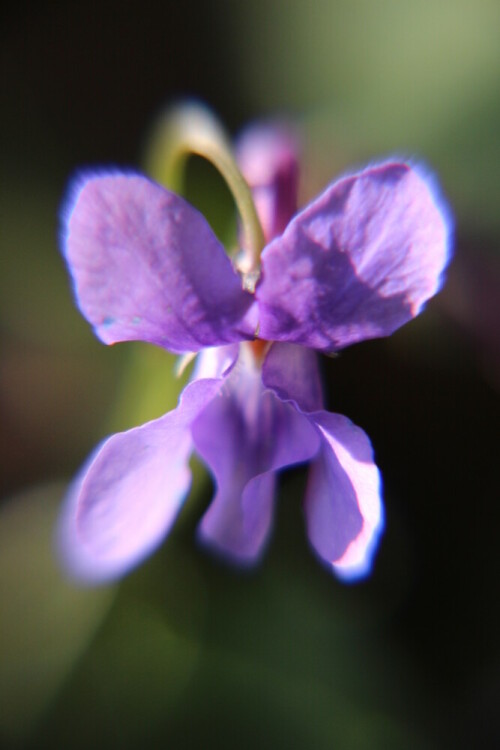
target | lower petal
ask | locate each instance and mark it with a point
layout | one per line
(292, 372)
(343, 501)
(238, 522)
(128, 494)
(245, 436)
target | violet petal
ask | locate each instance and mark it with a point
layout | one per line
(127, 496)
(343, 503)
(268, 158)
(292, 372)
(358, 262)
(147, 266)
(244, 436)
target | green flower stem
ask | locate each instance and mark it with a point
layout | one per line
(192, 129)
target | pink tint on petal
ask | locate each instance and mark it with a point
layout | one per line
(343, 500)
(365, 479)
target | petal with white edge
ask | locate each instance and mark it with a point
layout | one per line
(343, 502)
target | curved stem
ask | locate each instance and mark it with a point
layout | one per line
(192, 129)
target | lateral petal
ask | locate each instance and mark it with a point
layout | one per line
(343, 502)
(358, 262)
(128, 494)
(147, 266)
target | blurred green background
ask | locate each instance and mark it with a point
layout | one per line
(187, 652)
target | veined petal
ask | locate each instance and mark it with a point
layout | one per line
(147, 266)
(343, 503)
(245, 435)
(127, 496)
(291, 371)
(358, 262)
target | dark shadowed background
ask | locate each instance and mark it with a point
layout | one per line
(187, 652)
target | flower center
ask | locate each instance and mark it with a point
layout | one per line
(259, 349)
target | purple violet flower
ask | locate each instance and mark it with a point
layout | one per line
(357, 263)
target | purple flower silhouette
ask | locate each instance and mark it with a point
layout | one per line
(358, 262)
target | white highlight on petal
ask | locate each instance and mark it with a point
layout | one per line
(216, 361)
(365, 478)
(352, 450)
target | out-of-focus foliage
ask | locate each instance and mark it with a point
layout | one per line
(46, 623)
(192, 649)
(392, 76)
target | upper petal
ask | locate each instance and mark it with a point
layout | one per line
(128, 494)
(358, 262)
(147, 266)
(343, 502)
(245, 435)
(268, 158)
